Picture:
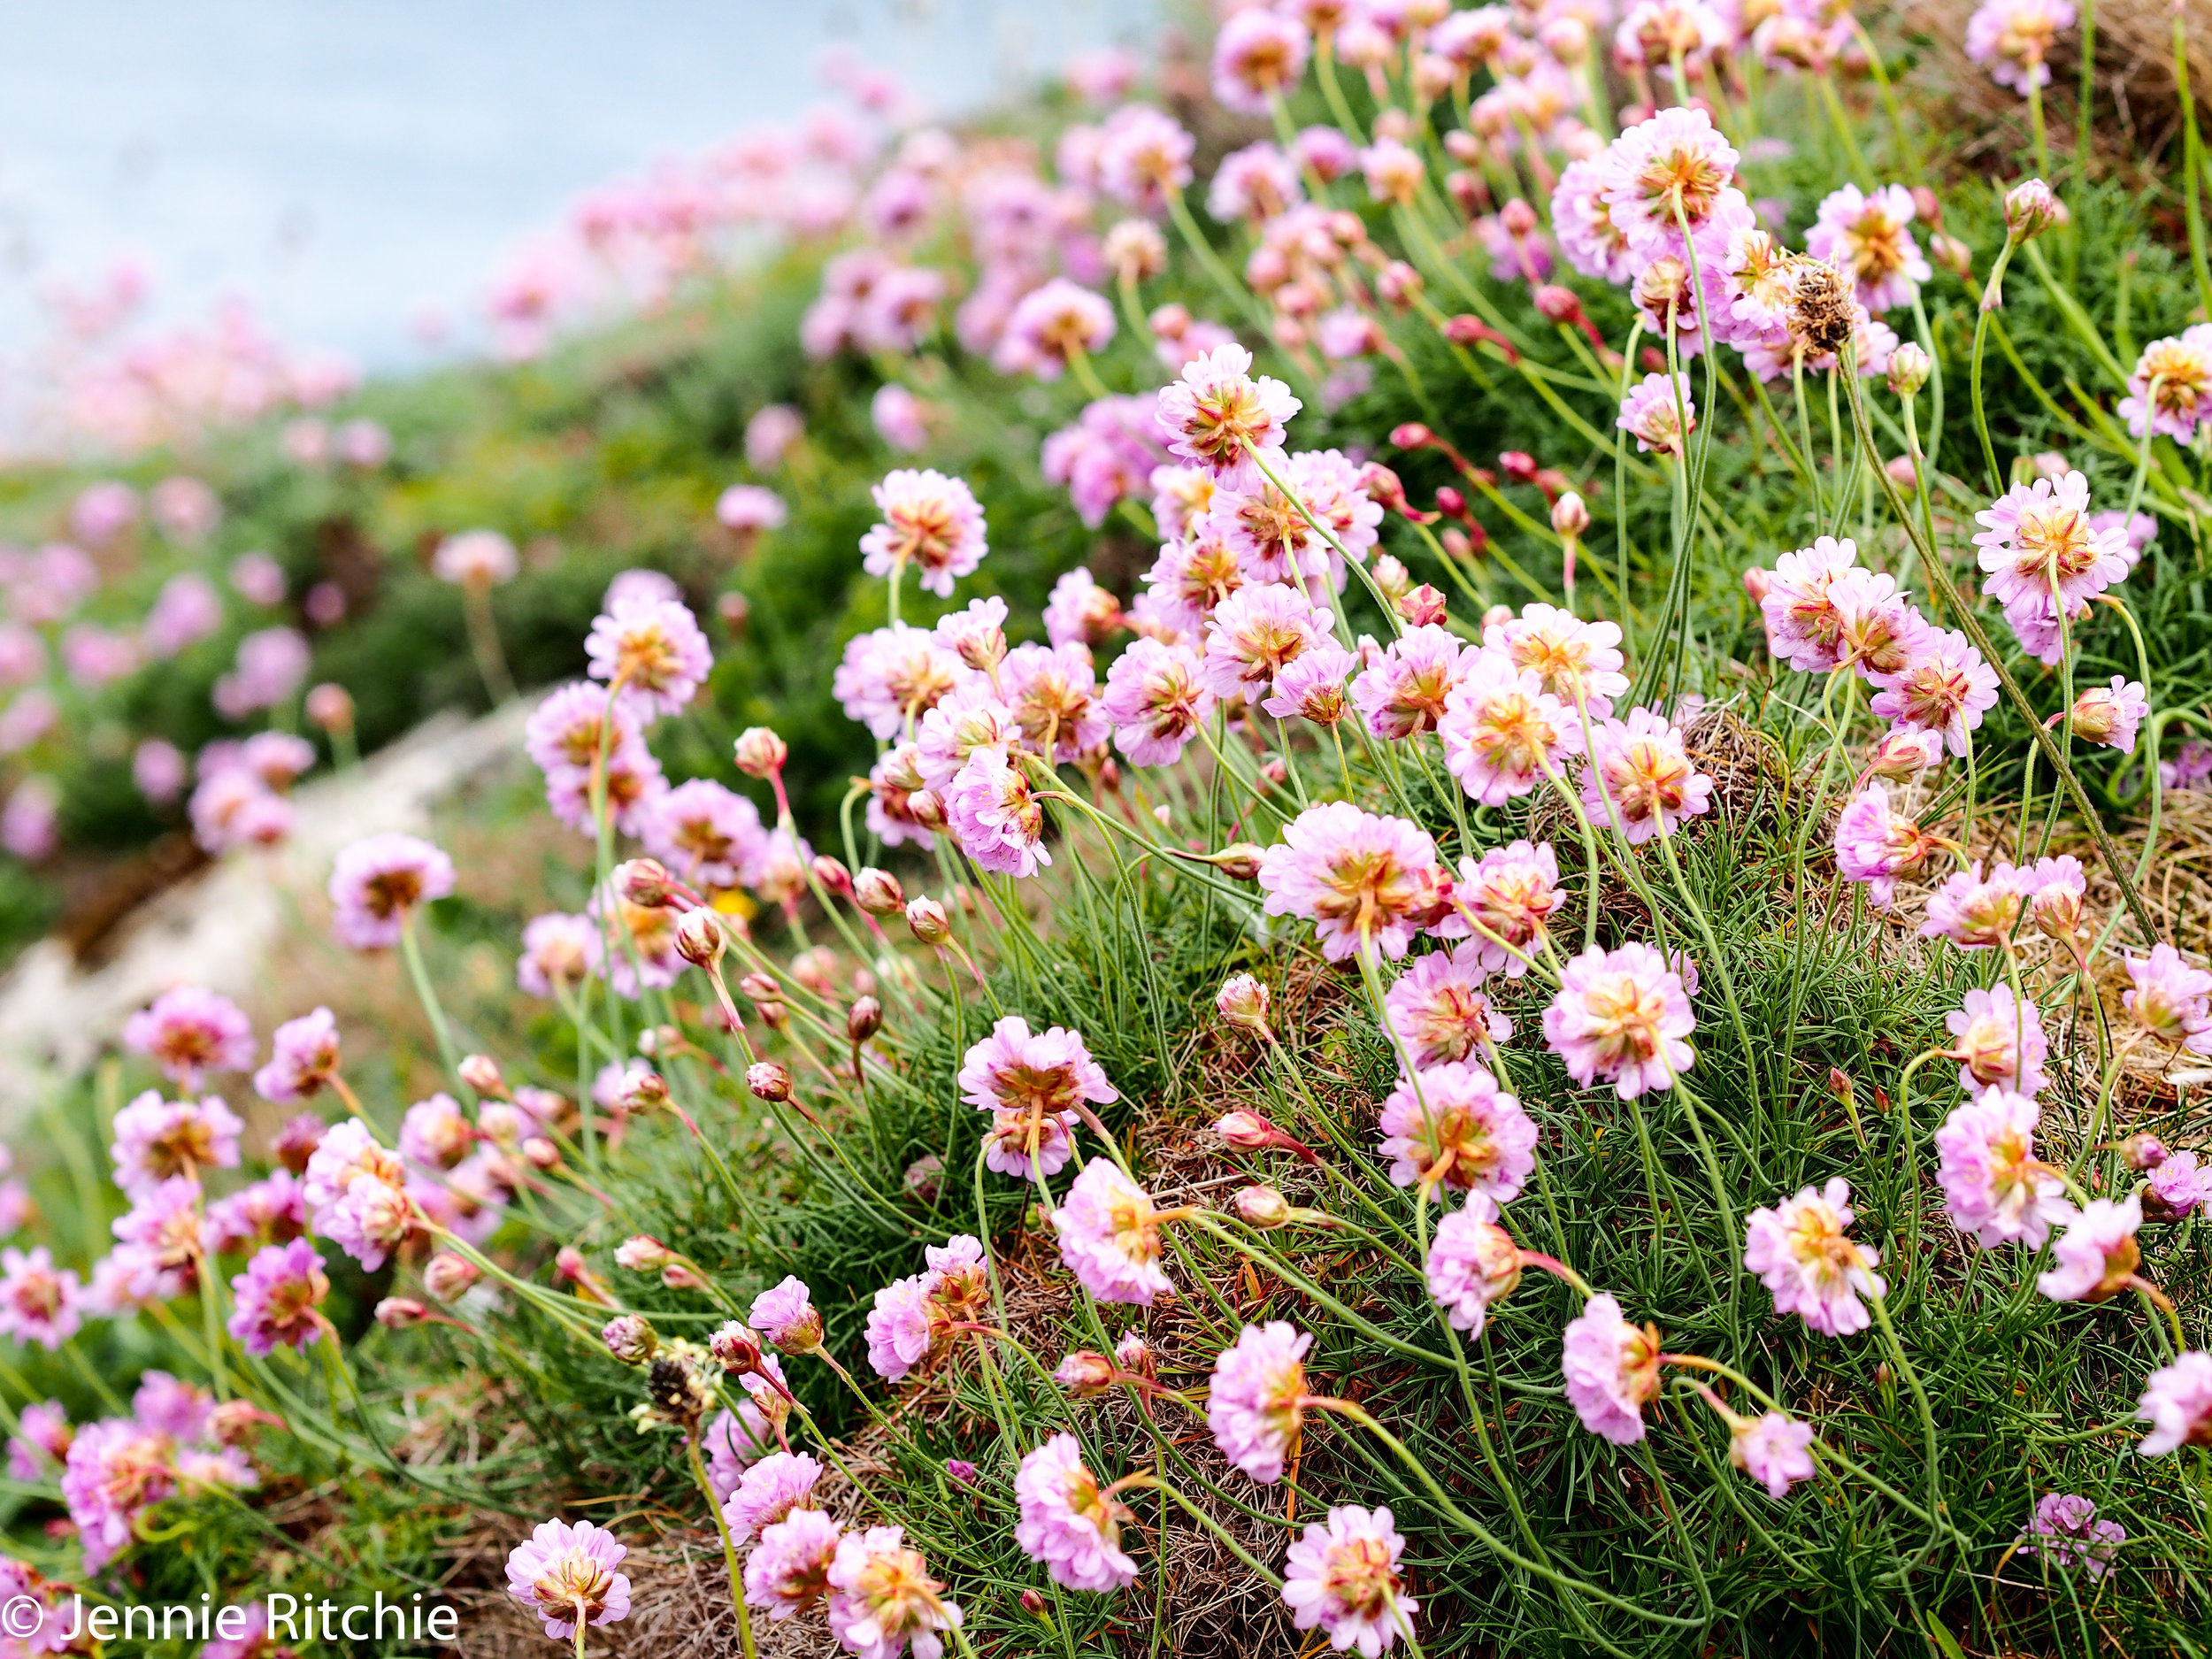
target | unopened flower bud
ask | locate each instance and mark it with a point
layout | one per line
(643, 1253)
(396, 1313)
(759, 752)
(1262, 1207)
(1902, 471)
(878, 892)
(330, 707)
(1131, 1356)
(1840, 1084)
(1422, 607)
(831, 874)
(1570, 517)
(735, 1348)
(645, 882)
(928, 921)
(926, 807)
(1397, 284)
(540, 1154)
(2030, 209)
(1756, 581)
(570, 1266)
(768, 1080)
(446, 1275)
(643, 1091)
(960, 1471)
(1391, 576)
(735, 610)
(774, 1014)
(1170, 321)
(1909, 370)
(1899, 756)
(1411, 435)
(1457, 543)
(1243, 1001)
(1240, 860)
(699, 940)
(1953, 255)
(1558, 304)
(815, 969)
(924, 1177)
(1275, 774)
(1032, 1604)
(1084, 1373)
(236, 1422)
(630, 1338)
(863, 1019)
(761, 987)
(682, 1276)
(2142, 1152)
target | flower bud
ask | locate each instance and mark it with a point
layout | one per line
(236, 1422)
(1392, 576)
(541, 1153)
(641, 1091)
(864, 983)
(878, 892)
(815, 969)
(1451, 503)
(1902, 471)
(481, 1073)
(396, 1313)
(926, 807)
(759, 752)
(569, 1265)
(2142, 1152)
(2030, 209)
(862, 1019)
(1517, 217)
(641, 1253)
(446, 1275)
(1275, 774)
(735, 611)
(735, 1348)
(1558, 304)
(1032, 1604)
(1757, 582)
(699, 938)
(1263, 1207)
(1909, 370)
(1423, 607)
(774, 1014)
(761, 987)
(768, 1080)
(1840, 1085)
(927, 919)
(1519, 465)
(924, 1177)
(1411, 435)
(1084, 1373)
(1397, 284)
(831, 874)
(1240, 860)
(1953, 255)
(646, 883)
(1570, 517)
(1131, 1356)
(1243, 1000)
(330, 707)
(682, 1276)
(1170, 321)
(1899, 756)
(630, 1338)
(960, 1471)
(1457, 543)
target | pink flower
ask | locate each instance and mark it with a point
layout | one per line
(788, 1569)
(969, 718)
(1108, 1238)
(2108, 716)
(1393, 172)
(1502, 733)
(1472, 1262)
(116, 1472)
(894, 675)
(1276, 536)
(1311, 686)
(1655, 411)
(376, 884)
(1143, 156)
(276, 1299)
(1998, 1049)
(1215, 413)
(1577, 662)
(39, 1303)
(1621, 1015)
(1875, 845)
(995, 816)
(1802, 627)
(1050, 325)
(1404, 689)
(157, 1138)
(436, 1133)
(785, 1316)
(1865, 237)
(769, 1491)
(558, 949)
(1067, 1523)
(1365, 882)
(901, 419)
(1079, 611)
(1254, 1406)
(564, 733)
(1669, 171)
(2179, 1184)
(1452, 1125)
(1257, 633)
(2168, 999)
(303, 1057)
(930, 521)
(1502, 904)
(2014, 37)
(1774, 1450)
(475, 558)
(2037, 545)
(566, 1576)
(2066, 1532)
(1943, 687)
(1259, 56)
(1877, 632)
(1342, 1575)
(1256, 183)
(2177, 1403)
(653, 649)
(1030, 1085)
(1612, 1369)
(272, 665)
(882, 1597)
(1800, 1251)
(189, 1032)
(1588, 238)
(703, 830)
(163, 1231)
(1993, 1185)
(1437, 1009)
(1641, 778)
(2182, 365)
(1975, 914)
(268, 1211)
(1053, 691)
(2096, 1257)
(749, 508)
(1155, 701)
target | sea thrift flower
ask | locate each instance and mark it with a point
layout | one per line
(1254, 1406)
(787, 1571)
(1997, 1048)
(2065, 1532)
(277, 1298)
(1452, 1125)
(1366, 882)
(1079, 611)
(475, 558)
(894, 675)
(1865, 237)
(1975, 914)
(882, 1597)
(1215, 412)
(117, 1470)
(2169, 999)
(2037, 545)
(566, 1576)
(1342, 1577)
(1944, 687)
(2179, 1183)
(2108, 716)
(1588, 238)
(46, 1433)
(930, 521)
(2014, 37)
(1051, 326)
(769, 1491)
(1612, 1369)
(1623, 1015)
(1053, 692)
(1502, 733)
(1472, 1262)
(38, 1302)
(376, 884)
(1993, 1185)
(1641, 778)
(157, 1138)
(1798, 1250)
(1502, 906)
(705, 832)
(1257, 633)
(1437, 1010)
(1877, 630)
(1258, 56)
(1403, 692)
(2177, 1404)
(303, 1057)
(559, 949)
(1801, 625)
(785, 1319)
(1774, 1450)
(1653, 416)
(1875, 845)
(1067, 1523)
(1668, 172)
(1143, 156)
(653, 649)
(995, 815)
(1032, 1079)
(189, 1032)
(1110, 1238)
(2182, 366)
(1577, 662)
(1155, 701)
(1311, 688)
(2095, 1259)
